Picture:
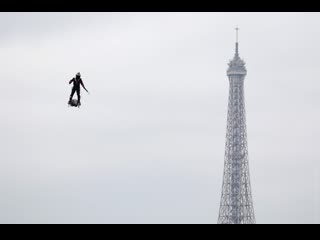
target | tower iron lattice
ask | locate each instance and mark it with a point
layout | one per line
(236, 206)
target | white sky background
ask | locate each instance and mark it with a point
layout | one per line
(147, 146)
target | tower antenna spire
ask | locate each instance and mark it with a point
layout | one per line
(237, 29)
(237, 44)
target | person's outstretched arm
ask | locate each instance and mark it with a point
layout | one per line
(81, 82)
(71, 80)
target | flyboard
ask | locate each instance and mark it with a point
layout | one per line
(74, 103)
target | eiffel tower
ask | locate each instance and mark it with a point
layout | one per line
(236, 206)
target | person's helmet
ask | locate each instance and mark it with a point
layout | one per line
(78, 75)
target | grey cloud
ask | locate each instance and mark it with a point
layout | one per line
(147, 146)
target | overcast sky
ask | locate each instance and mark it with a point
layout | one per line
(147, 146)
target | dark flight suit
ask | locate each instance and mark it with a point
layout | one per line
(77, 81)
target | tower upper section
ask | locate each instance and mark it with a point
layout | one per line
(236, 65)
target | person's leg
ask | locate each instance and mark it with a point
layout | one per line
(71, 95)
(78, 93)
